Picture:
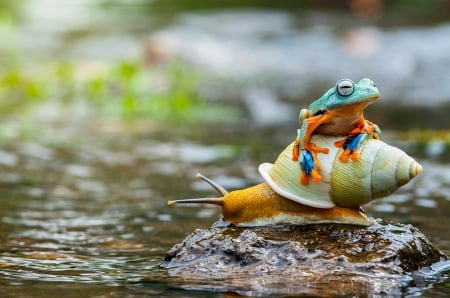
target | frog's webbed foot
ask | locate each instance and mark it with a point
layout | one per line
(309, 163)
(375, 131)
(352, 144)
(309, 167)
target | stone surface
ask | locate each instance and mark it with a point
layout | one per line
(306, 259)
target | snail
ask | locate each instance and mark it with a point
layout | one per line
(337, 198)
(260, 205)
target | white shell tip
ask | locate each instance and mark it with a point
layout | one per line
(415, 169)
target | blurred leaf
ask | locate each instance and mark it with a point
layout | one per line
(11, 79)
(127, 70)
(122, 89)
(96, 88)
(7, 20)
(33, 89)
(65, 71)
(130, 104)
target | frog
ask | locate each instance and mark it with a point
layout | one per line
(338, 112)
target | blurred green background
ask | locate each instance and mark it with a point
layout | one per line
(219, 61)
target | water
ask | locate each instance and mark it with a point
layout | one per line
(91, 217)
(84, 203)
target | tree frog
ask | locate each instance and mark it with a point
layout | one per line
(337, 112)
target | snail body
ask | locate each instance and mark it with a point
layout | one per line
(260, 205)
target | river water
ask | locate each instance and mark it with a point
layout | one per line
(84, 203)
(90, 218)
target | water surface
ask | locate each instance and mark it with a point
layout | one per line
(91, 217)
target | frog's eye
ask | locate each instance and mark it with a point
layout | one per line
(344, 87)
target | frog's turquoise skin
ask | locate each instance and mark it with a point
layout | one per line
(363, 91)
(337, 112)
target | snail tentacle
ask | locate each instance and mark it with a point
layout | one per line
(215, 185)
(214, 201)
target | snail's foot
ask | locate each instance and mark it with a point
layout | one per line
(351, 146)
(310, 167)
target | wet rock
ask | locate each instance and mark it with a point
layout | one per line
(307, 259)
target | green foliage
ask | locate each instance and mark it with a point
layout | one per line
(128, 90)
(17, 90)
(7, 21)
(123, 89)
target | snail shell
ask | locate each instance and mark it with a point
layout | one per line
(381, 170)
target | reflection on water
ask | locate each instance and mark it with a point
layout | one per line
(93, 213)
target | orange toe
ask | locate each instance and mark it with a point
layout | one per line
(296, 150)
(315, 176)
(317, 163)
(295, 153)
(316, 149)
(304, 179)
(340, 143)
(355, 155)
(345, 155)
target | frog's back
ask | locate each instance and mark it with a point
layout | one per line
(320, 105)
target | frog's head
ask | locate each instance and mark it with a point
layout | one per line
(346, 93)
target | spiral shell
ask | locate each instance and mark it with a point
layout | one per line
(380, 170)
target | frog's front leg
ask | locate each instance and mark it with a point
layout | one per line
(306, 152)
(357, 137)
(303, 115)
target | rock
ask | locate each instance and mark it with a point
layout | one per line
(334, 259)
